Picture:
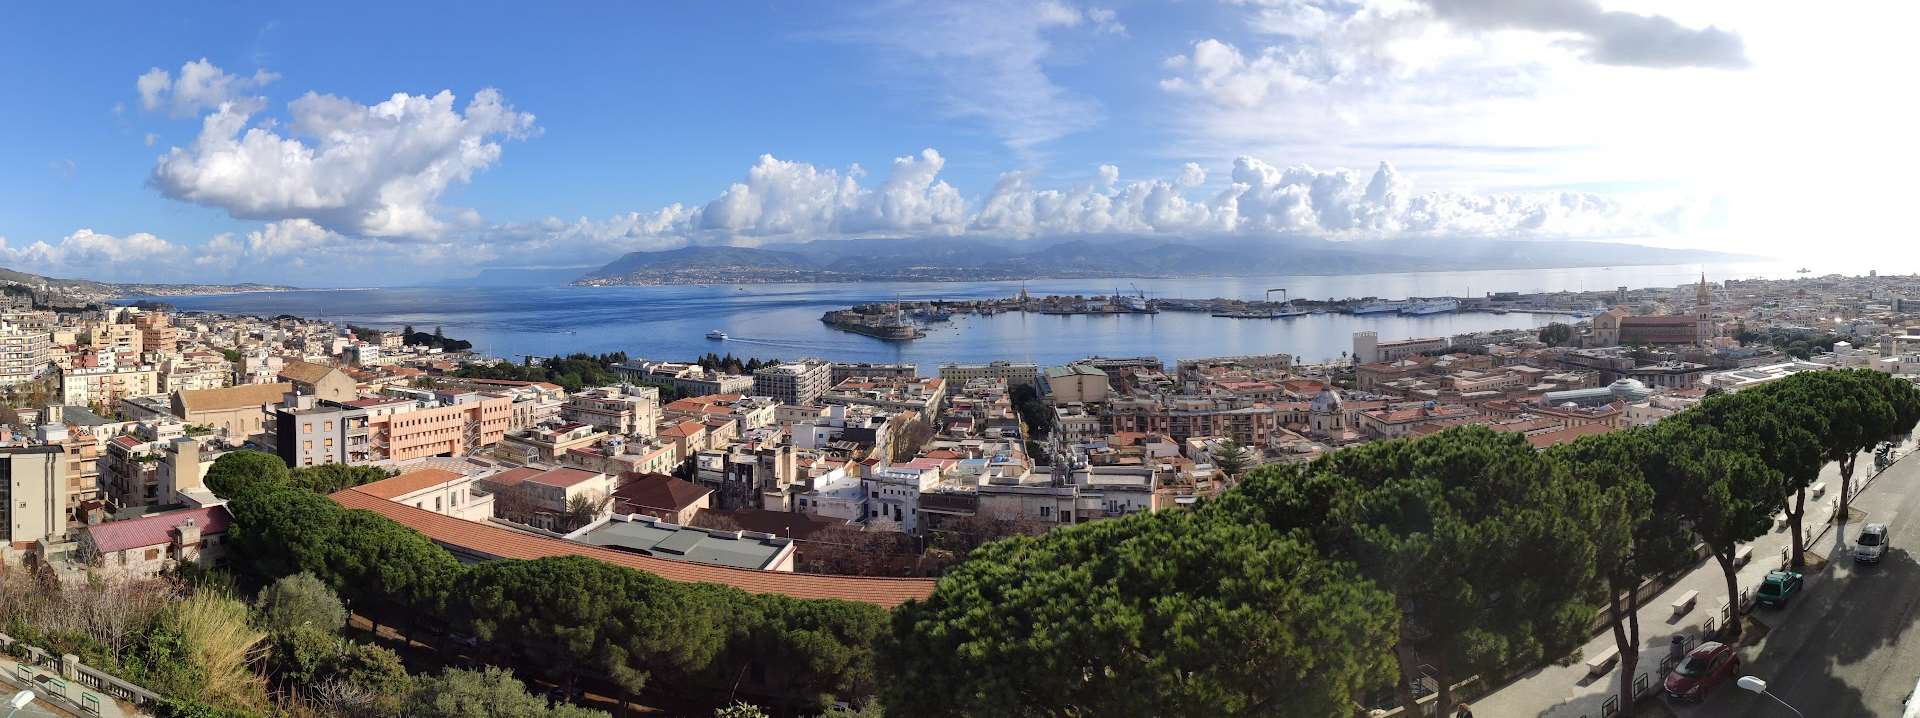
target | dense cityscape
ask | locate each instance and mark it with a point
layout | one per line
(143, 444)
(985, 359)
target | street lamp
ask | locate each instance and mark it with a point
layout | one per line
(1759, 686)
(18, 701)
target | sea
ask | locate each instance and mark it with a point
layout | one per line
(783, 320)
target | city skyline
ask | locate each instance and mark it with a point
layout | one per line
(273, 144)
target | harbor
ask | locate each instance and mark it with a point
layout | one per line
(904, 320)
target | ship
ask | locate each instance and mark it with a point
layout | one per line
(1430, 307)
(1378, 308)
(717, 335)
(1804, 270)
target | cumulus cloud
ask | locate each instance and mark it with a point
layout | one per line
(786, 201)
(199, 86)
(1606, 37)
(360, 170)
(93, 254)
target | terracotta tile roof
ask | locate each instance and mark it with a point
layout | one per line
(1544, 440)
(409, 482)
(305, 372)
(233, 397)
(484, 539)
(156, 529)
(513, 477)
(563, 477)
(659, 492)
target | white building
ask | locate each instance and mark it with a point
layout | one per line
(799, 383)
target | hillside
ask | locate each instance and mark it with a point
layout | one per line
(79, 292)
(966, 258)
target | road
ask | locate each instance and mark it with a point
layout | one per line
(1849, 647)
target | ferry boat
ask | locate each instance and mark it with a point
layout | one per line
(1430, 307)
(717, 335)
(1378, 308)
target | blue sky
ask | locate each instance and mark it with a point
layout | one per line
(573, 133)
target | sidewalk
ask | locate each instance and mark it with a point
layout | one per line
(59, 697)
(1569, 692)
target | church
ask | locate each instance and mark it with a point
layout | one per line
(1615, 327)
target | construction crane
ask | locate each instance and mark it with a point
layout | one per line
(1283, 299)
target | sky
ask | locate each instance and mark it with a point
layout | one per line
(342, 144)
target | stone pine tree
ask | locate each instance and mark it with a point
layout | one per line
(1725, 493)
(1475, 534)
(1165, 614)
(1635, 535)
(1781, 423)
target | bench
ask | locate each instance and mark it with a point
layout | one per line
(1685, 602)
(1742, 556)
(1603, 661)
(1818, 490)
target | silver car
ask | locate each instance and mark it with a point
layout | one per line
(1872, 544)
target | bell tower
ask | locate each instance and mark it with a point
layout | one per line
(1703, 312)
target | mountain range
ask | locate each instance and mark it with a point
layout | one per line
(968, 258)
(80, 292)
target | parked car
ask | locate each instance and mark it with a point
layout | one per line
(1778, 587)
(1706, 667)
(1872, 545)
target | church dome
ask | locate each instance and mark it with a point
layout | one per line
(1326, 402)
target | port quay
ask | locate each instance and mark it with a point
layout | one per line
(903, 320)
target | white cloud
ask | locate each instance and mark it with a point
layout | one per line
(360, 170)
(787, 201)
(86, 253)
(199, 86)
(986, 61)
(1473, 92)
(150, 139)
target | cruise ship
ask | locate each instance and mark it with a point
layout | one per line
(1430, 307)
(1379, 308)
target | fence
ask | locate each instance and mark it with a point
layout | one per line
(66, 673)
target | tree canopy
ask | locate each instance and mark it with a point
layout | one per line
(1173, 614)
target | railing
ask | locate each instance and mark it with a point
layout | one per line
(68, 668)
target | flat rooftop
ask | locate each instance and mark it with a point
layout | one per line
(685, 543)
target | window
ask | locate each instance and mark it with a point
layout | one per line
(153, 554)
(329, 443)
(307, 445)
(436, 503)
(306, 428)
(328, 427)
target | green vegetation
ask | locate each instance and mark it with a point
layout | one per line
(1557, 334)
(1297, 592)
(730, 365)
(572, 372)
(578, 618)
(1796, 343)
(1231, 458)
(1173, 614)
(1034, 412)
(328, 478)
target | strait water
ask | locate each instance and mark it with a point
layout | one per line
(783, 320)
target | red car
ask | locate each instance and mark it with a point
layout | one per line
(1705, 667)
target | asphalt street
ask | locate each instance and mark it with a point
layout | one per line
(1848, 645)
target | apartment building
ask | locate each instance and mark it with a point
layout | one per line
(1015, 374)
(157, 332)
(547, 444)
(83, 387)
(460, 424)
(1076, 384)
(23, 353)
(130, 471)
(121, 339)
(33, 495)
(843, 372)
(443, 492)
(798, 383)
(688, 379)
(195, 370)
(622, 410)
